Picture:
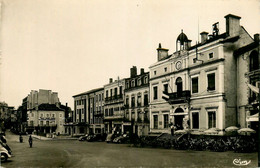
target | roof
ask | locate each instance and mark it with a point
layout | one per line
(246, 48)
(48, 107)
(214, 38)
(182, 38)
(88, 92)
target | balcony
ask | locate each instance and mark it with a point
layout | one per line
(116, 115)
(114, 99)
(98, 113)
(179, 97)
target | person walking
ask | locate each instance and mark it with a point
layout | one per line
(30, 141)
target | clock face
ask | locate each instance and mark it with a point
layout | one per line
(178, 65)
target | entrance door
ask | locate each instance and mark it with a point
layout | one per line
(178, 119)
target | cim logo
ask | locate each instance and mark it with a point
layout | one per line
(239, 162)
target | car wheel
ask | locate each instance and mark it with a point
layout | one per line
(4, 157)
(120, 141)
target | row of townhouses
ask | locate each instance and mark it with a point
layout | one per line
(212, 84)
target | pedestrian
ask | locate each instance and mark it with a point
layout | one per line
(172, 129)
(30, 141)
(21, 139)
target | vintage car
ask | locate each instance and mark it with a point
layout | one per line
(122, 139)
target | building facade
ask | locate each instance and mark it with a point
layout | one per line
(88, 113)
(114, 106)
(200, 81)
(248, 106)
(137, 102)
(46, 118)
(96, 109)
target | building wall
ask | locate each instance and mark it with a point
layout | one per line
(43, 96)
(40, 118)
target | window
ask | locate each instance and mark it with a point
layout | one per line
(32, 114)
(165, 120)
(195, 120)
(41, 123)
(60, 114)
(115, 92)
(127, 102)
(139, 100)
(155, 121)
(139, 116)
(127, 85)
(106, 93)
(133, 83)
(165, 69)
(165, 87)
(53, 115)
(211, 55)
(31, 123)
(195, 84)
(253, 61)
(194, 60)
(145, 80)
(120, 90)
(133, 115)
(60, 122)
(47, 115)
(211, 81)
(139, 82)
(154, 72)
(155, 93)
(146, 99)
(211, 119)
(111, 92)
(133, 101)
(106, 112)
(41, 115)
(127, 115)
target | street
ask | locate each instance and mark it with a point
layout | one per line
(72, 153)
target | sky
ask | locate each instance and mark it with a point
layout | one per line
(72, 46)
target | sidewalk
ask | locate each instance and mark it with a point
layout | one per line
(61, 137)
(41, 137)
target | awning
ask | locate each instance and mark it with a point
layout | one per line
(254, 117)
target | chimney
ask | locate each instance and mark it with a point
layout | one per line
(142, 71)
(66, 104)
(133, 71)
(256, 37)
(204, 36)
(232, 24)
(110, 80)
(161, 52)
(189, 44)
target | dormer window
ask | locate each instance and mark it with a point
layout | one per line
(154, 72)
(127, 85)
(211, 55)
(139, 82)
(133, 83)
(194, 60)
(165, 69)
(145, 80)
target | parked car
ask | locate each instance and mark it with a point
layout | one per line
(110, 138)
(122, 139)
(95, 137)
(83, 138)
(5, 152)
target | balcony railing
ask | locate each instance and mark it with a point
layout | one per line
(116, 115)
(114, 98)
(179, 97)
(98, 113)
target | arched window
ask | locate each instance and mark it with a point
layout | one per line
(179, 86)
(254, 62)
